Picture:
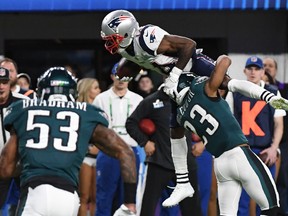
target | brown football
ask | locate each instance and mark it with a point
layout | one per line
(127, 69)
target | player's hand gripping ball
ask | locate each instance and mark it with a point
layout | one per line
(147, 126)
(125, 70)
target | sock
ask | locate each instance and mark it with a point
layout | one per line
(179, 155)
(250, 89)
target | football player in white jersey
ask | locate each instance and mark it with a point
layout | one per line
(154, 49)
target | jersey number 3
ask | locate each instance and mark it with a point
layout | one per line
(44, 130)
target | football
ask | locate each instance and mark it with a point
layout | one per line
(147, 126)
(127, 69)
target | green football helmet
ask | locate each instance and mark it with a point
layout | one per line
(57, 83)
(183, 86)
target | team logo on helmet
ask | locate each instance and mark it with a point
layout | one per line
(59, 82)
(113, 24)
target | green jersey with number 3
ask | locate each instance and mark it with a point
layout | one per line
(210, 118)
(53, 136)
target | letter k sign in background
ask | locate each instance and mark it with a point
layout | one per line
(249, 117)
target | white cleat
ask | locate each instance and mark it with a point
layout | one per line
(180, 192)
(279, 103)
(124, 211)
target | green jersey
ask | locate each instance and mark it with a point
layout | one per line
(210, 118)
(53, 136)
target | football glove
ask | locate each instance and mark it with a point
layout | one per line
(171, 82)
(124, 79)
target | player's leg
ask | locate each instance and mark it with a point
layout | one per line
(179, 150)
(48, 200)
(229, 188)
(203, 65)
(259, 183)
(192, 205)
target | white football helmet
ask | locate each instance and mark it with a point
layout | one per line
(118, 29)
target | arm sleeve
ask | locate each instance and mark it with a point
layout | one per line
(230, 100)
(150, 38)
(250, 89)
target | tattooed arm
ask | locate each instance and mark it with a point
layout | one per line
(111, 144)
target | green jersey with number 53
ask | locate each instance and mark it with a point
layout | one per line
(53, 136)
(208, 118)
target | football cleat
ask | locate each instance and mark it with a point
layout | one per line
(180, 192)
(123, 211)
(279, 103)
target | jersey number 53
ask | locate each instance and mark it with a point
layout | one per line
(44, 130)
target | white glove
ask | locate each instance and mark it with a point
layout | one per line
(124, 79)
(171, 82)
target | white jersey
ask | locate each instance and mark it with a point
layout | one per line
(146, 43)
(118, 109)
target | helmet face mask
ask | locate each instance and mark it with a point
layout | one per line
(112, 42)
(118, 29)
(57, 83)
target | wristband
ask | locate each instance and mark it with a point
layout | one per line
(175, 70)
(130, 192)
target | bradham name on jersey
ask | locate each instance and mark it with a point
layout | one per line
(53, 103)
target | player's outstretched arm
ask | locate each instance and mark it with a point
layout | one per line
(222, 64)
(8, 157)
(111, 144)
(182, 48)
(252, 90)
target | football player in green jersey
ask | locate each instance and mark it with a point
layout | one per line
(204, 112)
(50, 138)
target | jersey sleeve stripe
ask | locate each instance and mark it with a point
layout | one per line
(142, 42)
